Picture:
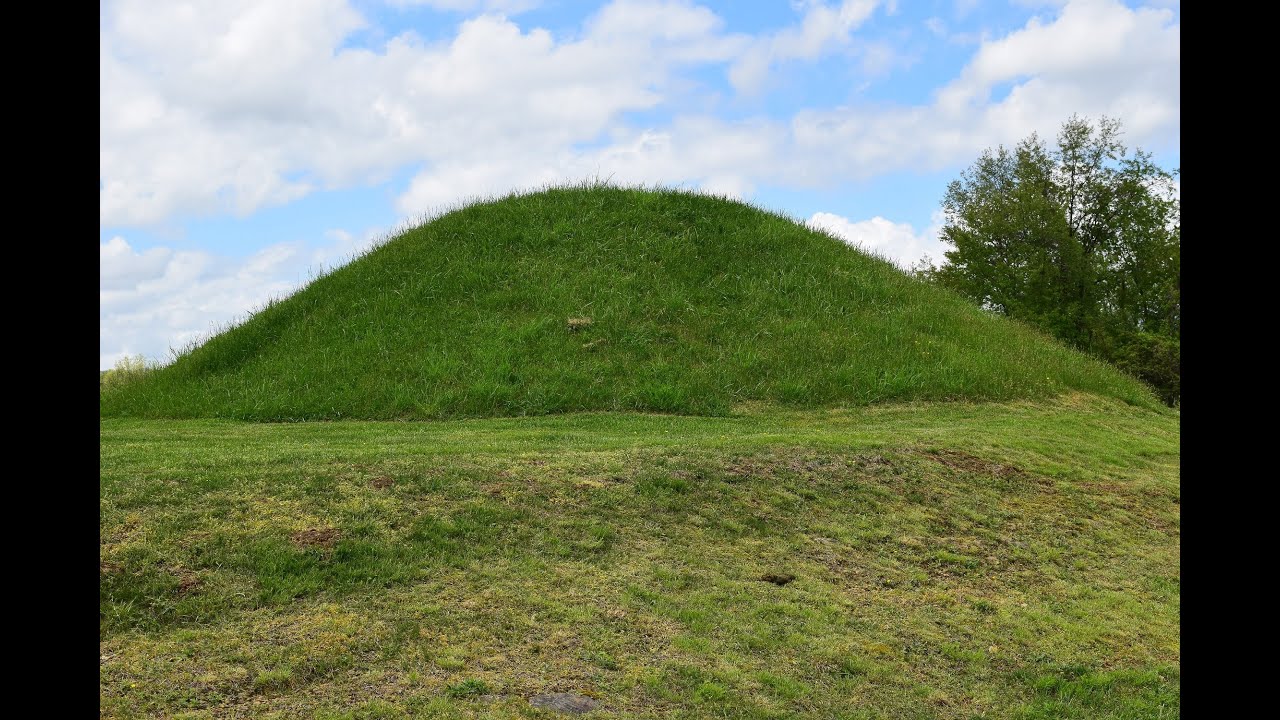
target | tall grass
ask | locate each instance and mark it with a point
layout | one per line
(604, 298)
(127, 370)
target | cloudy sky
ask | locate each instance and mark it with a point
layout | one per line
(248, 144)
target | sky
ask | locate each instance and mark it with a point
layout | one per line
(248, 145)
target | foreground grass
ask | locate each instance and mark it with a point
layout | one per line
(954, 561)
(601, 298)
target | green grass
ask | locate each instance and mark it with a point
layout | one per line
(696, 305)
(954, 560)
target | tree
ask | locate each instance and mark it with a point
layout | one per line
(1081, 240)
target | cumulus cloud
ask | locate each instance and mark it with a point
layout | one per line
(161, 299)
(1098, 57)
(1131, 74)
(509, 7)
(898, 242)
(176, 295)
(822, 28)
(122, 268)
(232, 106)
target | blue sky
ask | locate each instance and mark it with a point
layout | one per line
(245, 144)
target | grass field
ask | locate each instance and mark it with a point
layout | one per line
(956, 560)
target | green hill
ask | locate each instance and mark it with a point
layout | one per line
(601, 298)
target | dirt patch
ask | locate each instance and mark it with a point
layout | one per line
(381, 482)
(743, 468)
(964, 462)
(876, 461)
(316, 537)
(788, 464)
(812, 466)
(565, 703)
(778, 579)
(187, 580)
(495, 489)
(1106, 488)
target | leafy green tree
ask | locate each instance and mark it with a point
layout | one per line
(1081, 239)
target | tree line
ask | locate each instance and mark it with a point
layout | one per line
(1081, 239)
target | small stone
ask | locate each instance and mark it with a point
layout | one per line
(564, 702)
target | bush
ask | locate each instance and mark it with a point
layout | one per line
(127, 370)
(1156, 360)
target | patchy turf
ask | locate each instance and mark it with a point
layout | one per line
(953, 561)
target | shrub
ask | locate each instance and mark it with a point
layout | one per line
(127, 370)
(1156, 360)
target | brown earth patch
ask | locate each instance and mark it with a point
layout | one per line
(187, 580)
(496, 489)
(876, 460)
(382, 482)
(316, 537)
(804, 466)
(813, 466)
(745, 468)
(963, 461)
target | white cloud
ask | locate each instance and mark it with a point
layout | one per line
(728, 186)
(228, 107)
(1096, 47)
(822, 28)
(878, 58)
(162, 299)
(123, 268)
(697, 152)
(1135, 79)
(509, 7)
(147, 305)
(898, 242)
(1099, 57)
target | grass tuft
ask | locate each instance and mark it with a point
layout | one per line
(468, 688)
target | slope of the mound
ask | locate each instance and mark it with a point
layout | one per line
(604, 298)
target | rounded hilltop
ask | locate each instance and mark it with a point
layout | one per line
(605, 298)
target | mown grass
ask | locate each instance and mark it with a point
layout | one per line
(958, 560)
(602, 298)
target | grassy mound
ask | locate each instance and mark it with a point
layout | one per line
(601, 298)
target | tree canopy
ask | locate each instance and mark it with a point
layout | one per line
(1081, 240)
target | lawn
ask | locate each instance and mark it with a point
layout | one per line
(951, 560)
